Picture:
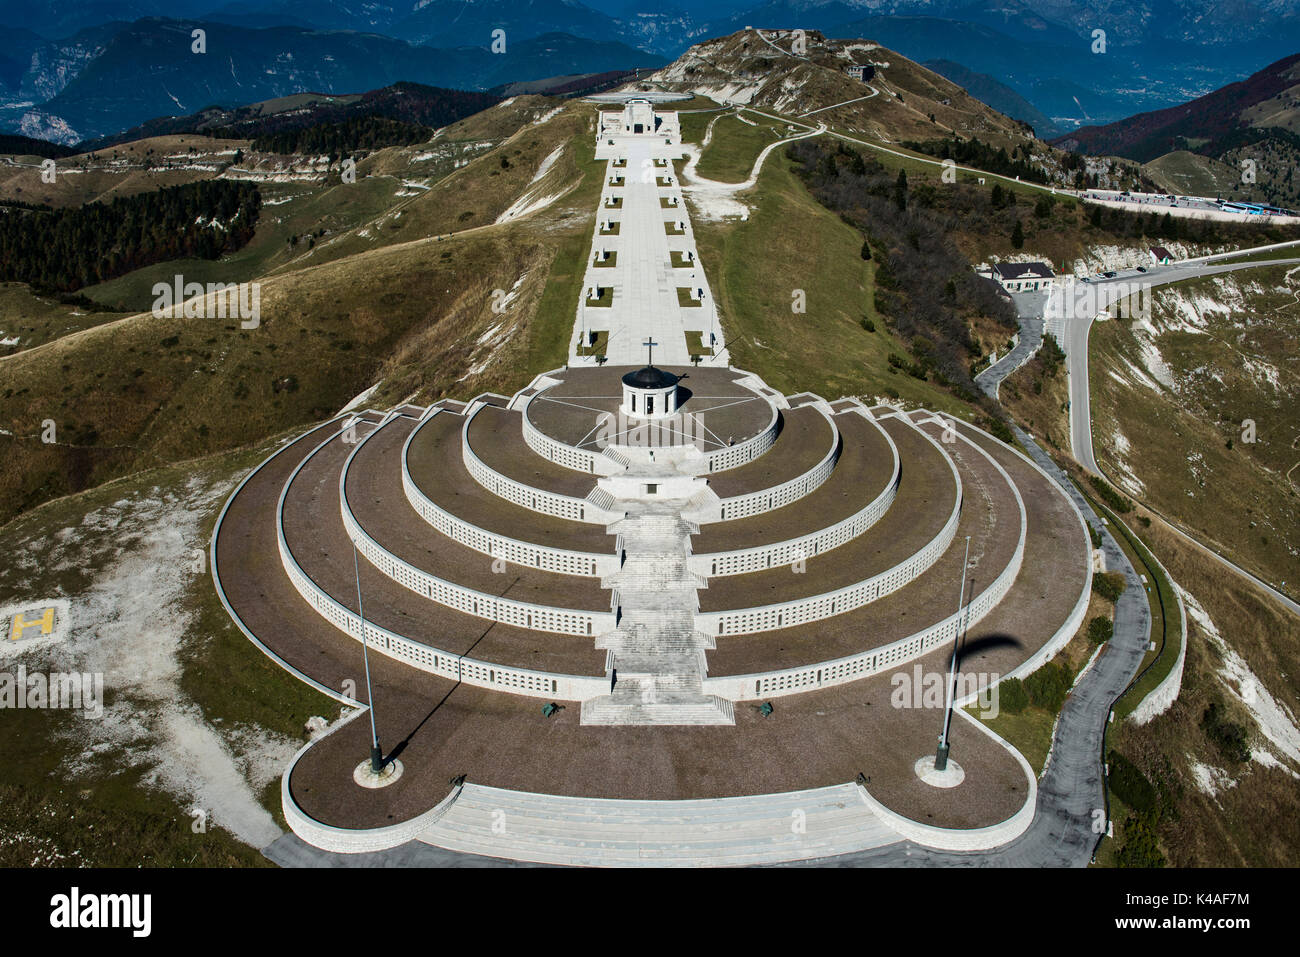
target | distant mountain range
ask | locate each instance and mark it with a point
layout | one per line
(107, 79)
(411, 103)
(1242, 140)
(1269, 99)
(1033, 58)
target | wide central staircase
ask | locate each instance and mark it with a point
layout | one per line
(658, 662)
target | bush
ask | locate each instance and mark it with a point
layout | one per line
(868, 325)
(1228, 736)
(1112, 498)
(1129, 784)
(1109, 586)
(1141, 846)
(1000, 430)
(1095, 535)
(1100, 630)
(1048, 686)
(1012, 696)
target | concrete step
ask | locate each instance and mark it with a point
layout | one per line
(615, 710)
(798, 825)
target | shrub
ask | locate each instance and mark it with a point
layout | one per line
(1108, 495)
(868, 325)
(1129, 784)
(1012, 696)
(1048, 686)
(1000, 430)
(1100, 630)
(1109, 586)
(1228, 736)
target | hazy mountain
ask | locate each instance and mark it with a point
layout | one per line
(112, 79)
(413, 103)
(997, 95)
(1209, 124)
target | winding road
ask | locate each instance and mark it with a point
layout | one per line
(1071, 327)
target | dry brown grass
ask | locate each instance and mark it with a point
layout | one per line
(1254, 822)
(1037, 401)
(124, 170)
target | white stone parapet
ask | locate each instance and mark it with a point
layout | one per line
(523, 681)
(770, 684)
(746, 621)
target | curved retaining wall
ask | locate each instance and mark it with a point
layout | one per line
(1162, 696)
(522, 681)
(565, 621)
(225, 601)
(746, 621)
(548, 503)
(1071, 624)
(734, 456)
(562, 560)
(773, 684)
(743, 560)
(767, 499)
(341, 840)
(971, 839)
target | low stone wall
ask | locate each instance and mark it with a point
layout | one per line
(747, 621)
(770, 684)
(426, 657)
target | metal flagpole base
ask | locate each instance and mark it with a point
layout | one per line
(366, 776)
(930, 773)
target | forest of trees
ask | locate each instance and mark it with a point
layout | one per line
(60, 250)
(925, 287)
(979, 155)
(360, 133)
(12, 144)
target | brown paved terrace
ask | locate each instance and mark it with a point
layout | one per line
(862, 472)
(375, 494)
(1051, 578)
(811, 740)
(438, 470)
(1055, 568)
(989, 515)
(923, 505)
(496, 436)
(317, 539)
(805, 438)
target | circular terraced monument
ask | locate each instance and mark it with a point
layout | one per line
(650, 610)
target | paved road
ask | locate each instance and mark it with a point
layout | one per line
(1074, 328)
(1029, 308)
(1074, 340)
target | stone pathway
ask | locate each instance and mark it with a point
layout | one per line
(658, 655)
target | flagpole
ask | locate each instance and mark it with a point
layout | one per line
(941, 755)
(376, 755)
